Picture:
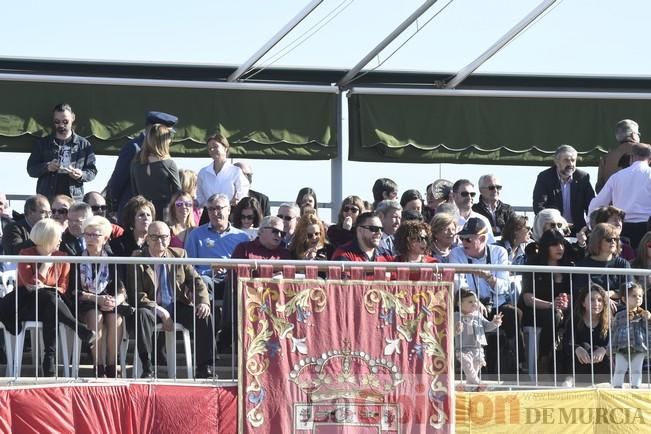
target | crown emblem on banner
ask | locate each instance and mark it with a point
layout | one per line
(346, 374)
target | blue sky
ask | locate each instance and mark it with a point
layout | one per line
(585, 37)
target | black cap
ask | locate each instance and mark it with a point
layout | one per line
(409, 214)
(474, 226)
(161, 118)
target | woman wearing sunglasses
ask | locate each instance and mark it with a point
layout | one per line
(603, 249)
(342, 232)
(309, 239)
(414, 242)
(180, 218)
(247, 215)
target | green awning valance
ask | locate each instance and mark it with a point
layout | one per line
(483, 129)
(258, 123)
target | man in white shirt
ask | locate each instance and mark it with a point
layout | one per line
(630, 190)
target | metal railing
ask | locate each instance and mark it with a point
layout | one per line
(514, 363)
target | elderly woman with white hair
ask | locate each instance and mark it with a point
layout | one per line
(42, 288)
(99, 293)
(551, 218)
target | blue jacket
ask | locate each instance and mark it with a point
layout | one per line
(119, 186)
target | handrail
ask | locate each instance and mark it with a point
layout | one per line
(324, 265)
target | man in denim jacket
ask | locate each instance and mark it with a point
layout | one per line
(62, 161)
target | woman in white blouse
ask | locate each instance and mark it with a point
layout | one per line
(220, 176)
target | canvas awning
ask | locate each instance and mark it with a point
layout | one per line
(271, 124)
(519, 128)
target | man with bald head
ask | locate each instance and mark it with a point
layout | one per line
(169, 293)
(247, 171)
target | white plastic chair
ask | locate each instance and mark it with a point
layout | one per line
(9, 354)
(35, 329)
(170, 345)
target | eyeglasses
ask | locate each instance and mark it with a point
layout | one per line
(60, 211)
(183, 203)
(494, 187)
(468, 193)
(247, 216)
(374, 229)
(275, 231)
(96, 208)
(314, 235)
(92, 235)
(155, 237)
(352, 209)
(216, 208)
(611, 240)
(287, 218)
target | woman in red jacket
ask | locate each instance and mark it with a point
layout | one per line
(42, 287)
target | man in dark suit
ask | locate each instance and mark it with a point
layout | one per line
(16, 233)
(72, 240)
(565, 188)
(247, 171)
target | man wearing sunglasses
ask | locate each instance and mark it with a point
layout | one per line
(492, 287)
(565, 188)
(289, 213)
(98, 205)
(489, 204)
(463, 194)
(268, 244)
(62, 161)
(364, 247)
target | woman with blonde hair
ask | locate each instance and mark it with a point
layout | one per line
(188, 180)
(154, 174)
(180, 218)
(309, 239)
(99, 292)
(444, 228)
(42, 288)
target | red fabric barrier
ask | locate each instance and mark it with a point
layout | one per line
(121, 409)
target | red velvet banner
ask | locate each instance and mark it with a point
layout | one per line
(353, 356)
(118, 408)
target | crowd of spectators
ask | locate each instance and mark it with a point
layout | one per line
(153, 209)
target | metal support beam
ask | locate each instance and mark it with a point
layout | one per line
(385, 42)
(337, 163)
(274, 40)
(463, 73)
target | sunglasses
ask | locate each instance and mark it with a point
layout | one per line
(287, 218)
(494, 187)
(275, 231)
(60, 211)
(352, 209)
(183, 203)
(314, 235)
(96, 208)
(247, 216)
(611, 240)
(466, 239)
(468, 193)
(374, 229)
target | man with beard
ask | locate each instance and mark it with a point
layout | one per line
(364, 248)
(565, 188)
(62, 161)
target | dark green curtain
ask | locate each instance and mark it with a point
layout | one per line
(470, 129)
(259, 124)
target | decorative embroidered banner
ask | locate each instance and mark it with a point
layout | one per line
(353, 356)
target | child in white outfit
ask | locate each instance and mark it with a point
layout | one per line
(471, 328)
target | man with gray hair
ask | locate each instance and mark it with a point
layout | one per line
(72, 239)
(565, 188)
(627, 132)
(289, 213)
(390, 213)
(489, 204)
(630, 190)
